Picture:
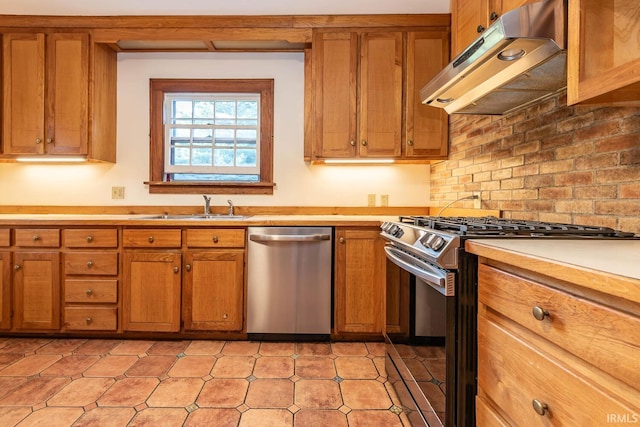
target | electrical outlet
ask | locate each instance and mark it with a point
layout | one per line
(477, 203)
(117, 192)
(384, 200)
(371, 200)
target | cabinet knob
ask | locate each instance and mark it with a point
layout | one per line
(364, 143)
(539, 407)
(49, 140)
(89, 320)
(89, 239)
(176, 270)
(38, 140)
(89, 264)
(493, 16)
(187, 267)
(17, 267)
(539, 313)
(215, 239)
(89, 292)
(353, 143)
(150, 239)
(225, 316)
(480, 28)
(341, 240)
(410, 142)
(36, 238)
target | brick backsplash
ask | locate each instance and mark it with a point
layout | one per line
(547, 162)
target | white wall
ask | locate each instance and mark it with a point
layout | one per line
(298, 184)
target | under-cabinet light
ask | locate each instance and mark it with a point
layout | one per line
(51, 159)
(357, 161)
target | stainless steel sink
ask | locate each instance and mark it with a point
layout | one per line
(194, 217)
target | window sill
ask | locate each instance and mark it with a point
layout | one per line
(210, 188)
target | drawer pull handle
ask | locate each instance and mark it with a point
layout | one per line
(89, 292)
(539, 313)
(410, 142)
(225, 316)
(36, 238)
(17, 267)
(176, 270)
(364, 143)
(215, 239)
(89, 239)
(341, 240)
(89, 264)
(89, 320)
(151, 239)
(539, 407)
(187, 267)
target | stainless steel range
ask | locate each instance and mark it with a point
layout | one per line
(431, 362)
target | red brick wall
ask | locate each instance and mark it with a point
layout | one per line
(547, 162)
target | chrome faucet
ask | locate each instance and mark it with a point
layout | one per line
(207, 205)
(230, 207)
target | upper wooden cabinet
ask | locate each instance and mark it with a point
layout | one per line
(469, 18)
(603, 53)
(362, 98)
(58, 96)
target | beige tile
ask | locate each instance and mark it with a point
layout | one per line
(192, 366)
(168, 347)
(317, 418)
(270, 393)
(98, 347)
(418, 370)
(23, 345)
(356, 368)
(313, 349)
(159, 417)
(61, 346)
(81, 392)
(35, 391)
(71, 366)
(240, 348)
(213, 417)
(106, 417)
(233, 367)
(317, 394)
(129, 392)
(8, 384)
(151, 366)
(111, 366)
(266, 418)
(367, 418)
(132, 347)
(314, 367)
(277, 348)
(235, 391)
(8, 358)
(273, 367)
(204, 347)
(375, 348)
(12, 415)
(52, 417)
(349, 349)
(30, 365)
(176, 392)
(365, 394)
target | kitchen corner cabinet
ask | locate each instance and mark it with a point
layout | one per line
(36, 280)
(603, 53)
(359, 281)
(151, 280)
(540, 342)
(361, 95)
(58, 96)
(213, 284)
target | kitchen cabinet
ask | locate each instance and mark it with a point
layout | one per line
(469, 18)
(90, 280)
(5, 279)
(151, 279)
(213, 280)
(36, 280)
(58, 96)
(359, 281)
(603, 55)
(541, 339)
(362, 98)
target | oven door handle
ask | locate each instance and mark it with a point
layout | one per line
(433, 277)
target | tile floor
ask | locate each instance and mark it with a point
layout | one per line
(79, 382)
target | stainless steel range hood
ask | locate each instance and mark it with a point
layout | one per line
(519, 59)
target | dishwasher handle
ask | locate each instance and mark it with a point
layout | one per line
(288, 237)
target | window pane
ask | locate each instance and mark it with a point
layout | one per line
(203, 109)
(180, 156)
(225, 109)
(180, 133)
(202, 134)
(248, 110)
(246, 158)
(201, 157)
(223, 157)
(182, 108)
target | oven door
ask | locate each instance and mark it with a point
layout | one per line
(441, 280)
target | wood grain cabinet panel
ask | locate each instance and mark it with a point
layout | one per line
(36, 291)
(215, 238)
(90, 263)
(5, 290)
(91, 291)
(5, 237)
(152, 238)
(91, 238)
(38, 238)
(91, 318)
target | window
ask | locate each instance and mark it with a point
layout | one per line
(211, 136)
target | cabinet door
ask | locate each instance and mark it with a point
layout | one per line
(335, 75)
(36, 284)
(23, 93)
(469, 18)
(67, 76)
(5, 290)
(380, 106)
(426, 128)
(359, 281)
(151, 291)
(213, 291)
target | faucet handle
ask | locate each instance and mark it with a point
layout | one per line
(206, 199)
(230, 206)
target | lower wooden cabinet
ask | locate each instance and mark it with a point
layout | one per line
(213, 290)
(359, 281)
(5, 290)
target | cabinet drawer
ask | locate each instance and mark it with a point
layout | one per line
(5, 237)
(91, 238)
(91, 318)
(152, 238)
(91, 291)
(38, 237)
(215, 238)
(513, 374)
(91, 263)
(604, 337)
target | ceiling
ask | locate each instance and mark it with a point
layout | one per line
(220, 7)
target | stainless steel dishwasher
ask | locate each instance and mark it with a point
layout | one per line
(289, 280)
